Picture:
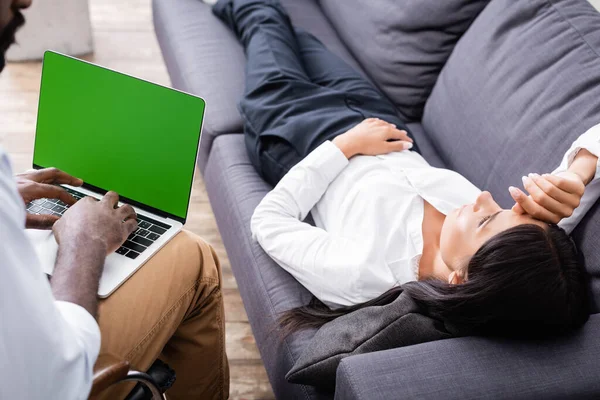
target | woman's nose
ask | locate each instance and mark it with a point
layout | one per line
(481, 200)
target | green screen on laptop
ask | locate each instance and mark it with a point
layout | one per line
(118, 133)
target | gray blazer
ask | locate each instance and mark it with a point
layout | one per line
(400, 323)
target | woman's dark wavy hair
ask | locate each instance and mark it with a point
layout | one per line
(525, 281)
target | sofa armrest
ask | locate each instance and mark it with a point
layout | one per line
(478, 368)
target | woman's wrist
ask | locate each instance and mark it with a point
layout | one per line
(584, 165)
(345, 145)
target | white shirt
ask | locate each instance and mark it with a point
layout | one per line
(368, 213)
(47, 348)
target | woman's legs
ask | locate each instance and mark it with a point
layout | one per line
(325, 68)
(286, 114)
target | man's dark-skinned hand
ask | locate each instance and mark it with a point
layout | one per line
(96, 223)
(86, 234)
(40, 184)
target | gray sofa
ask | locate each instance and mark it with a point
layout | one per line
(516, 89)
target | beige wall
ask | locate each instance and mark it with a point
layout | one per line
(61, 25)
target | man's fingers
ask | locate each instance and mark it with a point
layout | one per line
(130, 226)
(56, 176)
(40, 221)
(44, 190)
(568, 185)
(111, 198)
(544, 200)
(127, 212)
(531, 207)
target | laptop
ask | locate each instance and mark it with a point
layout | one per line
(118, 133)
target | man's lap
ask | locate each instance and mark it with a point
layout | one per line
(140, 317)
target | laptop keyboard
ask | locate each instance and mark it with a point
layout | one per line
(146, 234)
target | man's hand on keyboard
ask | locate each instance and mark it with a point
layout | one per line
(96, 223)
(40, 184)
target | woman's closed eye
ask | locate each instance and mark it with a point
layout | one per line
(487, 218)
(482, 220)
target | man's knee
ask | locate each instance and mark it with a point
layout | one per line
(202, 264)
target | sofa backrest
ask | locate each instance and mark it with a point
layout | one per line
(520, 86)
(402, 44)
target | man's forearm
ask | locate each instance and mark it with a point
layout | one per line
(77, 275)
(584, 165)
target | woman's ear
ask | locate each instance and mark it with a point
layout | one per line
(455, 278)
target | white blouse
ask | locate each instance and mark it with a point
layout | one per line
(368, 213)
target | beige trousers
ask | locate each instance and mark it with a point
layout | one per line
(172, 309)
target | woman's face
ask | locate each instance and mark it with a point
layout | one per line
(467, 228)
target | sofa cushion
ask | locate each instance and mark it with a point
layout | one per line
(426, 147)
(521, 85)
(475, 368)
(402, 44)
(235, 189)
(204, 57)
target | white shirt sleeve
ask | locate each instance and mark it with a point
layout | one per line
(320, 261)
(590, 141)
(48, 348)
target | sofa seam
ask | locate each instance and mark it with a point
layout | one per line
(270, 302)
(552, 4)
(426, 94)
(352, 382)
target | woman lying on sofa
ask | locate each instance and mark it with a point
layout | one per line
(384, 217)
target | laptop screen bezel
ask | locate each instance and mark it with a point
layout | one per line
(103, 191)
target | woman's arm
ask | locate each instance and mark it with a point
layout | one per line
(569, 192)
(584, 166)
(320, 261)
